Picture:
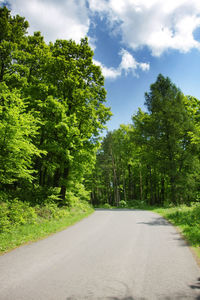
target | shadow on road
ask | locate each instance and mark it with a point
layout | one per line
(106, 298)
(177, 296)
(180, 239)
(196, 286)
(126, 298)
(180, 297)
(118, 209)
(156, 222)
(162, 222)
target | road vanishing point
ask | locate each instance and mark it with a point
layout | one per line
(112, 254)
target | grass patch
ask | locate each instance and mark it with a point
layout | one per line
(187, 219)
(32, 232)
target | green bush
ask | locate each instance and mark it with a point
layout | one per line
(76, 193)
(135, 203)
(3, 196)
(51, 211)
(122, 204)
(21, 213)
(38, 195)
(62, 212)
(14, 213)
(107, 206)
(78, 197)
(4, 219)
(188, 219)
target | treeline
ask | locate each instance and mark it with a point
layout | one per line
(155, 159)
(51, 112)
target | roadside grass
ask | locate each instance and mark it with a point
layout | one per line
(27, 233)
(187, 220)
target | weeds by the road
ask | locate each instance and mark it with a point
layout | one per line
(22, 234)
(187, 219)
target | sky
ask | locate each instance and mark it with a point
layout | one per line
(133, 41)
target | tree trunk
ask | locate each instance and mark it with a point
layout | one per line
(115, 181)
(2, 72)
(124, 187)
(173, 189)
(63, 186)
(151, 187)
(162, 190)
(141, 185)
(56, 178)
(130, 194)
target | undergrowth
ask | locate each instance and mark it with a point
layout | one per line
(187, 218)
(21, 223)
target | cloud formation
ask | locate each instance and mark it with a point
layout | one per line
(158, 24)
(128, 65)
(61, 19)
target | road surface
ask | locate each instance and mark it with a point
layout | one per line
(119, 255)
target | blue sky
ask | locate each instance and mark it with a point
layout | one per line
(133, 41)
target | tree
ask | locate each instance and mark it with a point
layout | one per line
(171, 124)
(12, 32)
(17, 128)
(60, 88)
(156, 159)
(76, 87)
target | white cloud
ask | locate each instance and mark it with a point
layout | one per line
(111, 73)
(128, 61)
(62, 19)
(158, 24)
(128, 64)
(92, 42)
(67, 19)
(144, 66)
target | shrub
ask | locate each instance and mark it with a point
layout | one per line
(3, 196)
(107, 206)
(15, 213)
(21, 213)
(122, 204)
(4, 219)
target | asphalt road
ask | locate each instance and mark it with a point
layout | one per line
(119, 255)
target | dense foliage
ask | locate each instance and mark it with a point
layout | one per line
(187, 218)
(155, 160)
(51, 114)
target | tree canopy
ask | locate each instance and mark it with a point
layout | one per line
(52, 113)
(156, 158)
(52, 109)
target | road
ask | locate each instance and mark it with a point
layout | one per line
(119, 255)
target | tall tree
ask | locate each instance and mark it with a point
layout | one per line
(171, 124)
(157, 158)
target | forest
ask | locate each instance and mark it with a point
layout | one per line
(52, 111)
(52, 153)
(154, 160)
